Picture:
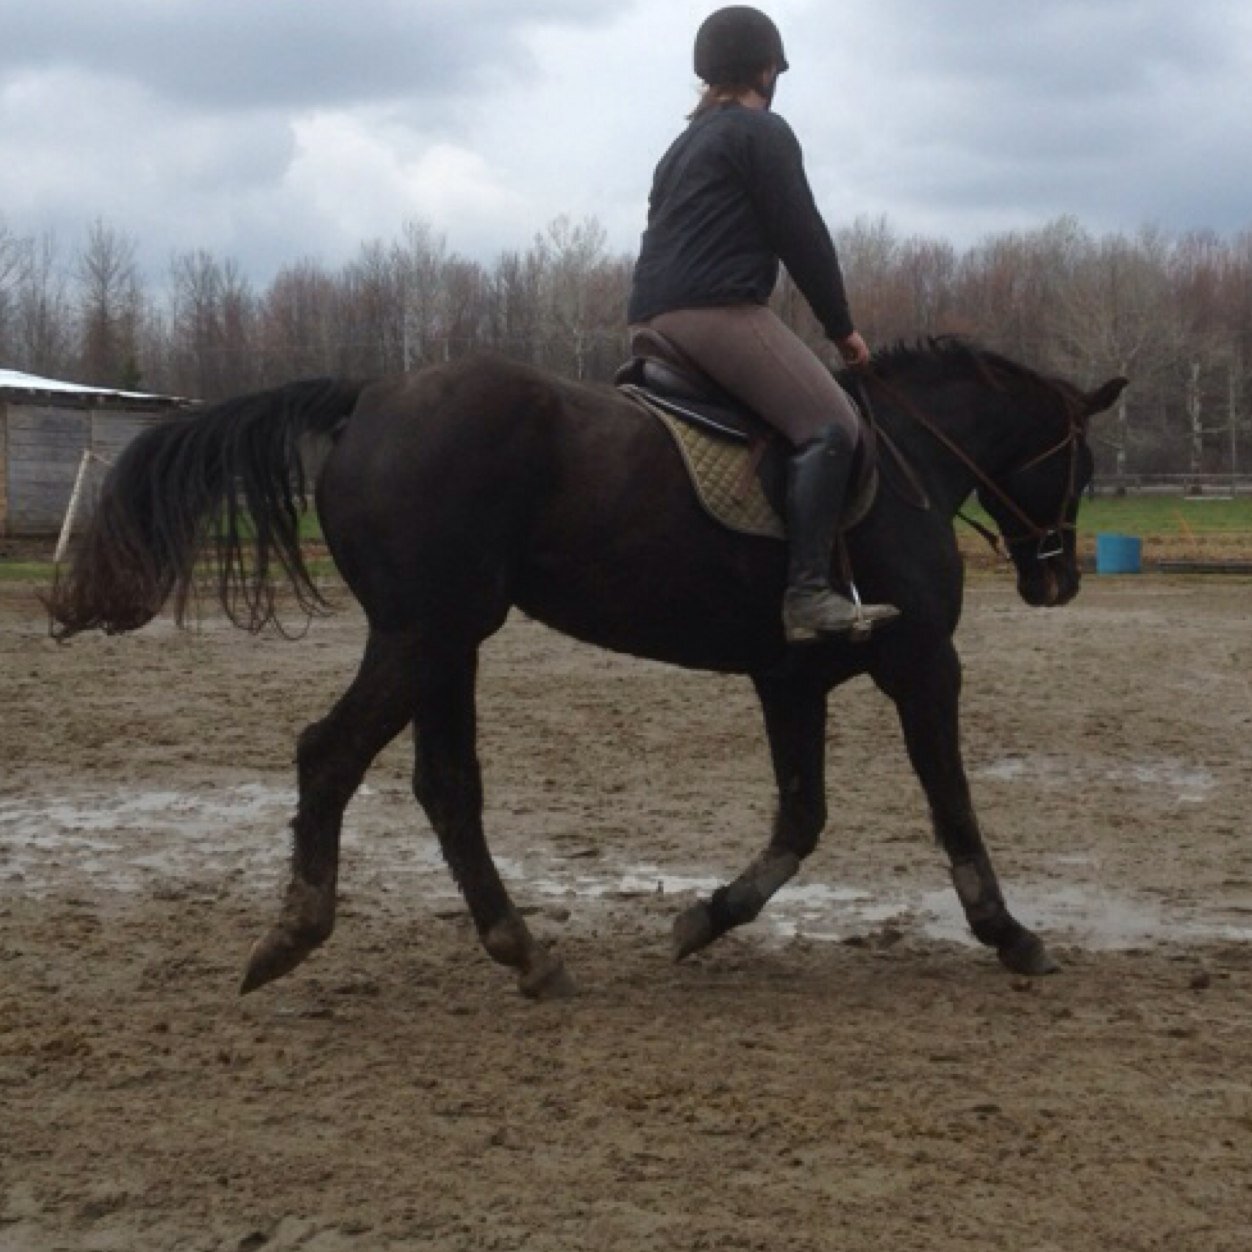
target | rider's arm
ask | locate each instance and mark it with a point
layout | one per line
(795, 229)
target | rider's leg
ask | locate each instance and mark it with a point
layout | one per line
(817, 481)
(754, 355)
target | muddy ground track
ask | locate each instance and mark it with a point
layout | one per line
(847, 1073)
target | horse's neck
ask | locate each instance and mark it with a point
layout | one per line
(945, 432)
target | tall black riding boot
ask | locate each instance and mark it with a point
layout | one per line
(817, 481)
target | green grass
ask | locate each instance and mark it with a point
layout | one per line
(1171, 524)
(25, 571)
(1171, 527)
(1159, 517)
(1166, 516)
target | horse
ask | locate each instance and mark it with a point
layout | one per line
(451, 495)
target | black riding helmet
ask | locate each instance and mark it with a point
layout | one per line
(735, 43)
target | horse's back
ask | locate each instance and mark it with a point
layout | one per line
(494, 434)
(486, 482)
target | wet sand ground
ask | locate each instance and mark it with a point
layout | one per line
(850, 1072)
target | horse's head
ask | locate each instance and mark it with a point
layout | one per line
(1035, 502)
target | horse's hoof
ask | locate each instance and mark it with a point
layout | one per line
(278, 953)
(549, 981)
(1028, 955)
(693, 930)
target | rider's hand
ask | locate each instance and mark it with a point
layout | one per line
(854, 350)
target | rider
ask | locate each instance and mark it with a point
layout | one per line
(729, 201)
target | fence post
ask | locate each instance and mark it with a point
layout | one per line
(68, 524)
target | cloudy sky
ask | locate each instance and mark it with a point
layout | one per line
(273, 130)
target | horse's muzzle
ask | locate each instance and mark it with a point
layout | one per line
(1048, 584)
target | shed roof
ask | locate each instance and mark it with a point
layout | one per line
(15, 381)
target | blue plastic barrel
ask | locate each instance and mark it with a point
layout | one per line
(1118, 554)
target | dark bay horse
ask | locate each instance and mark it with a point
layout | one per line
(448, 496)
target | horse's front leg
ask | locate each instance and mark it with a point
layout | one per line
(795, 720)
(926, 687)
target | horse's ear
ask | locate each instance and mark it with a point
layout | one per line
(1104, 397)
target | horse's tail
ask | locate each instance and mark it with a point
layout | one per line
(227, 485)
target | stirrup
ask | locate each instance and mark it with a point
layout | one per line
(867, 615)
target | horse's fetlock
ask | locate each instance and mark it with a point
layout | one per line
(508, 942)
(309, 913)
(1000, 931)
(978, 889)
(316, 931)
(737, 904)
(1027, 954)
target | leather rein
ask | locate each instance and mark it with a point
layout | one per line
(1049, 538)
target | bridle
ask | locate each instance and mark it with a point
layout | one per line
(1050, 538)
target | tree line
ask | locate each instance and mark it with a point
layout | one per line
(1171, 312)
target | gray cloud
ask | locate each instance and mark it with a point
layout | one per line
(1084, 47)
(1121, 112)
(241, 54)
(274, 130)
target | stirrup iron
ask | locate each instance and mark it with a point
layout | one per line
(863, 627)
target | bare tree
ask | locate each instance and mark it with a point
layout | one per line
(1172, 313)
(374, 309)
(44, 314)
(583, 300)
(294, 323)
(517, 296)
(1118, 314)
(868, 253)
(196, 322)
(420, 259)
(15, 260)
(212, 316)
(110, 308)
(238, 367)
(466, 307)
(927, 273)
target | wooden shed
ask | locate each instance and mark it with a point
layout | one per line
(45, 428)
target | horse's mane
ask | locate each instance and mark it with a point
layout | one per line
(945, 357)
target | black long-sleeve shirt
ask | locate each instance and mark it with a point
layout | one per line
(730, 200)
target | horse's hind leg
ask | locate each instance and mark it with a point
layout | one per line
(447, 781)
(332, 757)
(926, 695)
(795, 719)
